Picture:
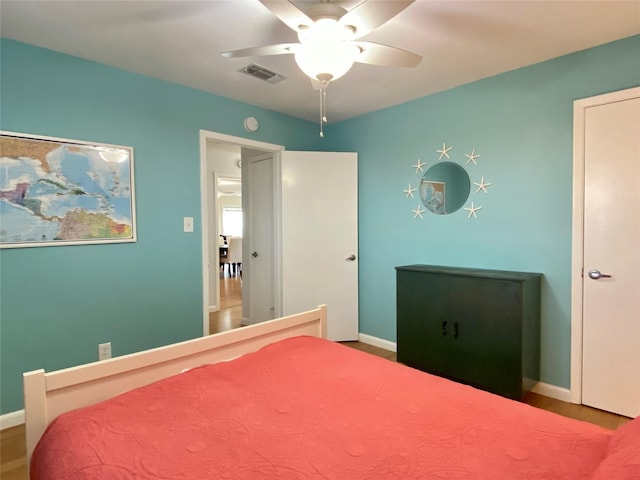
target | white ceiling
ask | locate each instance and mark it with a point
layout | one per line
(180, 41)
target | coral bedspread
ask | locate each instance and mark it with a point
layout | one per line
(307, 408)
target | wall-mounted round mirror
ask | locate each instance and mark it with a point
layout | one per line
(444, 188)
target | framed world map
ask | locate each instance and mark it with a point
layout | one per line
(64, 192)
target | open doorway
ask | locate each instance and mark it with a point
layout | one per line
(228, 296)
(277, 185)
(229, 224)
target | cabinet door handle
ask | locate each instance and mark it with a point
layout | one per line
(455, 329)
(444, 328)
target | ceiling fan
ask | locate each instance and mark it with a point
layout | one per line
(329, 42)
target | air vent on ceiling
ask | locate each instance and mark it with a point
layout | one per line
(262, 73)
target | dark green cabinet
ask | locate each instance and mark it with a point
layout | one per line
(479, 327)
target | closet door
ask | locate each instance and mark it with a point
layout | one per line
(611, 263)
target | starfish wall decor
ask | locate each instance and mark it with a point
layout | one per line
(437, 192)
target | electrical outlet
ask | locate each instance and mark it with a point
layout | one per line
(104, 351)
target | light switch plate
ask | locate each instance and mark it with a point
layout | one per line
(188, 224)
(104, 351)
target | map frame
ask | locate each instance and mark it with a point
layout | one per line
(26, 147)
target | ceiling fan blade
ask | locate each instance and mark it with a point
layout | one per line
(279, 49)
(288, 13)
(369, 15)
(378, 54)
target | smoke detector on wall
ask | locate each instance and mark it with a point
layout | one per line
(251, 124)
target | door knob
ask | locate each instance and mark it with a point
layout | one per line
(254, 254)
(351, 257)
(595, 274)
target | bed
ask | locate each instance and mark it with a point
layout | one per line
(278, 401)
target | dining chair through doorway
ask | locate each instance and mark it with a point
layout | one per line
(234, 256)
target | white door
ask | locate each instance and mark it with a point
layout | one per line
(611, 304)
(258, 246)
(320, 237)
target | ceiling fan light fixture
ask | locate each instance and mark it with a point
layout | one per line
(326, 61)
(326, 53)
(325, 30)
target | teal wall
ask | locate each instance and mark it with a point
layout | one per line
(59, 303)
(520, 123)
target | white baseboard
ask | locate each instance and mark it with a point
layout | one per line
(377, 342)
(553, 391)
(541, 388)
(11, 419)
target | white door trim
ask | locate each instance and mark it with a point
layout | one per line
(205, 136)
(577, 248)
(212, 207)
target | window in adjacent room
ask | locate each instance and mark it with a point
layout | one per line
(232, 221)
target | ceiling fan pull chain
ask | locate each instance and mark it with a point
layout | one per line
(322, 116)
(324, 105)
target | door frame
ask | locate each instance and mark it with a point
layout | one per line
(207, 229)
(577, 248)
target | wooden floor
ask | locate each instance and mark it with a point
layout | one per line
(13, 454)
(571, 410)
(12, 440)
(230, 314)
